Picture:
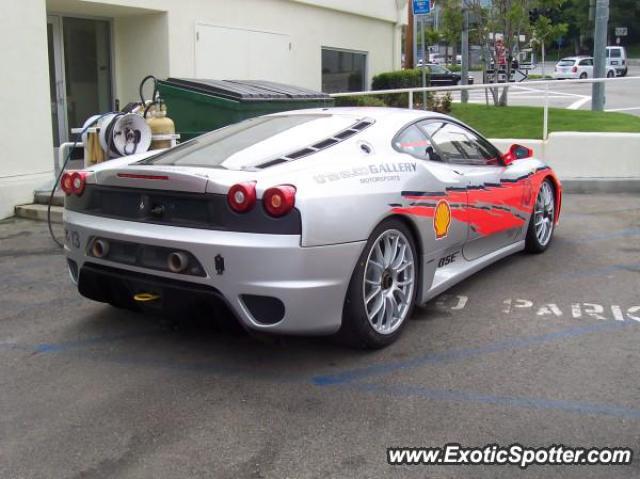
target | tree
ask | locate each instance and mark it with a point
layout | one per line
(451, 24)
(543, 31)
(508, 19)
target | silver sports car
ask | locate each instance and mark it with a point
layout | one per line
(307, 222)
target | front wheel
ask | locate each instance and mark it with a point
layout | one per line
(383, 288)
(542, 221)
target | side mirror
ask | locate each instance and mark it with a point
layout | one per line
(516, 152)
(432, 155)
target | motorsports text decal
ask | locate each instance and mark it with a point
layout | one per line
(366, 171)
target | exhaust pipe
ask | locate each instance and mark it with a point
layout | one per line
(177, 262)
(100, 248)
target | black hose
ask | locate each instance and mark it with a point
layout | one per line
(57, 182)
(155, 88)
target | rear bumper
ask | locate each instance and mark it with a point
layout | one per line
(310, 282)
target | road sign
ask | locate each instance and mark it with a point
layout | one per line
(421, 7)
(620, 31)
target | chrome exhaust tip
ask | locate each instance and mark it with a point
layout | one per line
(100, 248)
(177, 262)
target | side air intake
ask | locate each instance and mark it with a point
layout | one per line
(321, 145)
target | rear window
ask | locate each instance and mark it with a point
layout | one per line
(566, 62)
(615, 53)
(254, 141)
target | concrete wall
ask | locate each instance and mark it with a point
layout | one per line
(138, 55)
(592, 161)
(26, 147)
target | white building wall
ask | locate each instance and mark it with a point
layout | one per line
(25, 123)
(159, 37)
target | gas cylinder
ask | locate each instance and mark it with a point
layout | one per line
(160, 125)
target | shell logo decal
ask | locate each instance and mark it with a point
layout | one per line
(442, 219)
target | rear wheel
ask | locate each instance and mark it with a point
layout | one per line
(541, 224)
(383, 288)
(611, 74)
(583, 76)
(624, 72)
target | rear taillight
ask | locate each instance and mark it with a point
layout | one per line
(242, 196)
(574, 69)
(279, 200)
(74, 182)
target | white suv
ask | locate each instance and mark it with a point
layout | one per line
(578, 68)
(617, 59)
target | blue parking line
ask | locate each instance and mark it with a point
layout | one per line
(459, 354)
(84, 343)
(402, 390)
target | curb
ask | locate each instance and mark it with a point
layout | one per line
(39, 212)
(601, 185)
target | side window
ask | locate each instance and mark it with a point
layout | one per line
(456, 144)
(587, 62)
(412, 141)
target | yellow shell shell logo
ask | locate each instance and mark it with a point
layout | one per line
(442, 219)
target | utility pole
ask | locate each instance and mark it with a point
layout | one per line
(409, 51)
(464, 73)
(600, 53)
(425, 59)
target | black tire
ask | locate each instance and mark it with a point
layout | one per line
(611, 74)
(356, 331)
(624, 72)
(583, 76)
(532, 243)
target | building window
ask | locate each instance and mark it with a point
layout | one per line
(343, 70)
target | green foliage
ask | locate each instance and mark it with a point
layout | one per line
(398, 79)
(360, 100)
(440, 103)
(526, 121)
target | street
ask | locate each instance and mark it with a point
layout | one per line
(623, 96)
(536, 350)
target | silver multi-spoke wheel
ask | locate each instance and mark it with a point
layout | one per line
(389, 279)
(544, 214)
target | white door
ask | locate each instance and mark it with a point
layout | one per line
(224, 53)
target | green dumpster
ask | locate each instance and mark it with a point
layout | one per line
(198, 106)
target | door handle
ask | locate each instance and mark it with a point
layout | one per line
(458, 172)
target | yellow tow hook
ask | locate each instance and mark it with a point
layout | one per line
(145, 297)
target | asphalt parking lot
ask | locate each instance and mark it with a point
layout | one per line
(536, 350)
(621, 96)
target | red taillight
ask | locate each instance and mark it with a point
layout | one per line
(574, 69)
(73, 182)
(242, 197)
(279, 200)
(65, 183)
(78, 182)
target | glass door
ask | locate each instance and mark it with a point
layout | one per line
(56, 80)
(79, 72)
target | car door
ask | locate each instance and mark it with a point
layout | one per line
(436, 199)
(586, 65)
(495, 201)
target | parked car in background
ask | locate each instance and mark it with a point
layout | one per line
(617, 59)
(437, 58)
(442, 76)
(577, 68)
